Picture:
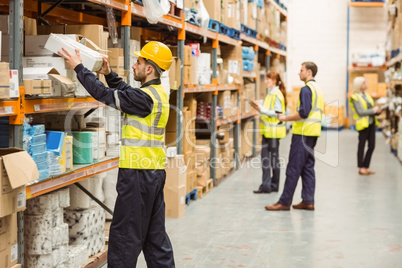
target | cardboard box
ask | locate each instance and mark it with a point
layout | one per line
(187, 78)
(187, 56)
(5, 46)
(191, 180)
(101, 134)
(14, 84)
(17, 169)
(64, 122)
(224, 100)
(175, 73)
(233, 62)
(92, 32)
(175, 202)
(372, 82)
(214, 9)
(175, 187)
(61, 85)
(4, 80)
(35, 45)
(30, 27)
(9, 241)
(4, 24)
(48, 29)
(38, 87)
(116, 59)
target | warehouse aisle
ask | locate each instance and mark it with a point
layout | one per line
(357, 221)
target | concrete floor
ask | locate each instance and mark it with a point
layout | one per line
(357, 221)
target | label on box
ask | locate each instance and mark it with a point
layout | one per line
(182, 200)
(21, 199)
(6, 186)
(14, 253)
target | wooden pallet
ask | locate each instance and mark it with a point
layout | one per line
(203, 190)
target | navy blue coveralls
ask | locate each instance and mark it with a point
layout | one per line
(139, 214)
(301, 159)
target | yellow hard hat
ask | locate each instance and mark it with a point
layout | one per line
(157, 52)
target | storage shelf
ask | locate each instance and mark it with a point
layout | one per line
(249, 74)
(394, 60)
(200, 31)
(228, 40)
(9, 107)
(62, 104)
(139, 11)
(278, 7)
(116, 4)
(366, 68)
(262, 44)
(199, 88)
(366, 4)
(229, 120)
(278, 51)
(79, 172)
(249, 114)
(228, 87)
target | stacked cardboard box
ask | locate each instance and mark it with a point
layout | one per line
(9, 242)
(175, 187)
(233, 62)
(246, 145)
(202, 155)
(4, 80)
(334, 116)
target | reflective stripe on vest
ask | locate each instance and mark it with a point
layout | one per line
(270, 127)
(143, 138)
(311, 126)
(362, 122)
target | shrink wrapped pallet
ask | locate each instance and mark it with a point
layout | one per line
(43, 204)
(64, 197)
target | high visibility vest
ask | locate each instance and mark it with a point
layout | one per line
(143, 138)
(311, 126)
(362, 122)
(270, 126)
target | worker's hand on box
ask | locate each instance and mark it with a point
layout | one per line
(71, 59)
(105, 67)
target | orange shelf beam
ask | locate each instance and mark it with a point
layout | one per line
(66, 179)
(9, 107)
(366, 4)
(200, 31)
(199, 88)
(62, 104)
(366, 68)
(230, 120)
(116, 4)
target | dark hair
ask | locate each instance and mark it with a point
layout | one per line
(275, 76)
(156, 73)
(311, 66)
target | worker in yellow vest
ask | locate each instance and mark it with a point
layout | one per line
(139, 215)
(272, 130)
(306, 130)
(364, 112)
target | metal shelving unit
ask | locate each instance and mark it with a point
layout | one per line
(16, 109)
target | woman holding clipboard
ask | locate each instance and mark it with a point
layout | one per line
(272, 131)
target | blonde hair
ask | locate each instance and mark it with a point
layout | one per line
(358, 83)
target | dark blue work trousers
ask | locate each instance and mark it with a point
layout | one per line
(139, 221)
(301, 163)
(270, 165)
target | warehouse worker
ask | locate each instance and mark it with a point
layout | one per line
(139, 215)
(306, 129)
(364, 113)
(272, 130)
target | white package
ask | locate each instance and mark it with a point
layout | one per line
(90, 58)
(14, 84)
(79, 222)
(38, 224)
(43, 204)
(78, 199)
(56, 237)
(43, 261)
(64, 197)
(78, 255)
(204, 68)
(38, 243)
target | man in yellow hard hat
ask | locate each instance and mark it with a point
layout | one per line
(139, 215)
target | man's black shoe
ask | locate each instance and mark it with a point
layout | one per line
(260, 192)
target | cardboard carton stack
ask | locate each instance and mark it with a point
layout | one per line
(233, 63)
(246, 144)
(202, 155)
(175, 187)
(334, 116)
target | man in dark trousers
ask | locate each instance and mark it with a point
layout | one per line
(139, 215)
(306, 129)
